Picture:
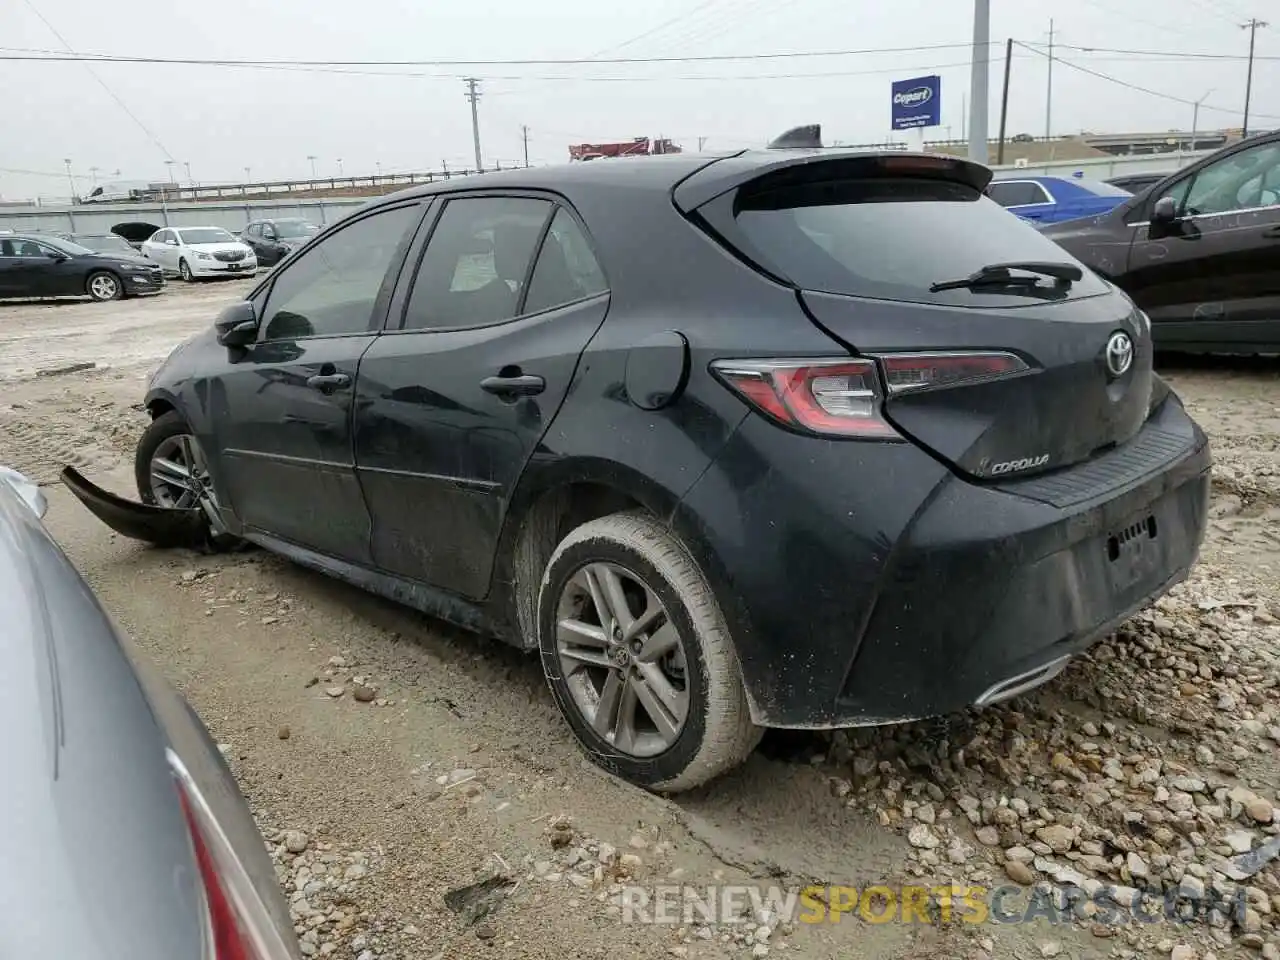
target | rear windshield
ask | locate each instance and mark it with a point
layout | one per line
(891, 238)
(105, 244)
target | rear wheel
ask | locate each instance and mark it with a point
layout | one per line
(639, 658)
(104, 285)
(184, 270)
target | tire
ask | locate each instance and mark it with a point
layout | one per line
(716, 732)
(163, 429)
(184, 271)
(103, 285)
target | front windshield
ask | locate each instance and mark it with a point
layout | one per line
(66, 246)
(206, 235)
(292, 229)
(107, 244)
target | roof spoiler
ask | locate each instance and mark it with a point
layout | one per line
(808, 136)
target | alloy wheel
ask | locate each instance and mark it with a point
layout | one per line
(185, 269)
(180, 474)
(622, 659)
(104, 287)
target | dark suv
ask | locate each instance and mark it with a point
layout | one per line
(1199, 251)
(786, 438)
(273, 240)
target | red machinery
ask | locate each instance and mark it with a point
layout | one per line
(639, 147)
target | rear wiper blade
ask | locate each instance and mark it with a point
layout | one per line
(1000, 274)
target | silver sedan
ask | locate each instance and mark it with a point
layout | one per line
(128, 836)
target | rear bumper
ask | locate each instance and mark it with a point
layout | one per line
(878, 587)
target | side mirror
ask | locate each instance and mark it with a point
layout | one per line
(237, 325)
(1165, 211)
(56, 257)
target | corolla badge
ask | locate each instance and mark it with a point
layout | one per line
(916, 97)
(1119, 354)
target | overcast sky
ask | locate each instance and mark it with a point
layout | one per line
(221, 120)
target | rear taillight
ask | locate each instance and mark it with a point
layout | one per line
(239, 925)
(830, 397)
(920, 371)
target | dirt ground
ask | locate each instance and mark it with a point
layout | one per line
(1145, 764)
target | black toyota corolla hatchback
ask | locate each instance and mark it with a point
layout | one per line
(786, 438)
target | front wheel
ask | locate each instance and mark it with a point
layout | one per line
(170, 470)
(103, 286)
(639, 658)
(184, 271)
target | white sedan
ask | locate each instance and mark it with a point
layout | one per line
(195, 252)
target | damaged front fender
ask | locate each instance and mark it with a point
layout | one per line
(160, 526)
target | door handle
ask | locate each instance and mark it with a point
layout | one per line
(326, 382)
(1272, 233)
(519, 386)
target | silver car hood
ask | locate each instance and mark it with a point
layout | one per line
(98, 861)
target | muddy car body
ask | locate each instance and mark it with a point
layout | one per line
(740, 477)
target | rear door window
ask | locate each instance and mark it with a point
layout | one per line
(890, 238)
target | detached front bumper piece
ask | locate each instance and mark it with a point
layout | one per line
(160, 526)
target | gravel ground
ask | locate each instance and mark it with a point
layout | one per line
(421, 797)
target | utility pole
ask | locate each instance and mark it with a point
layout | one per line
(1004, 99)
(1195, 119)
(473, 96)
(524, 133)
(701, 142)
(1252, 26)
(978, 81)
(1048, 92)
(93, 172)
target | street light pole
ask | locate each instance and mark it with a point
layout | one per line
(339, 166)
(978, 80)
(187, 164)
(71, 181)
(313, 165)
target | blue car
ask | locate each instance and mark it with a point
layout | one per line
(1054, 199)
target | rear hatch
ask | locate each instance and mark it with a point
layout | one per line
(1013, 374)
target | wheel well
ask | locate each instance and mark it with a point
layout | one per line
(548, 521)
(158, 408)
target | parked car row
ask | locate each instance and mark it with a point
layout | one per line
(109, 267)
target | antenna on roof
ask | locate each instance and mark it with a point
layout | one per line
(807, 136)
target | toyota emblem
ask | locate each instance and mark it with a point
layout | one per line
(1119, 353)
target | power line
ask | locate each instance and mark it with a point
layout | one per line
(579, 61)
(658, 29)
(1173, 54)
(102, 83)
(1133, 86)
